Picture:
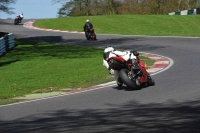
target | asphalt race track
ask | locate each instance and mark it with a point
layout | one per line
(171, 106)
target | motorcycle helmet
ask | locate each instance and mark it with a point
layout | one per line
(135, 53)
(109, 49)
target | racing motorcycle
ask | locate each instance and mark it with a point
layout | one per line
(17, 20)
(91, 35)
(132, 73)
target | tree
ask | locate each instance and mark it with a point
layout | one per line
(87, 7)
(185, 4)
(105, 7)
(66, 9)
(4, 6)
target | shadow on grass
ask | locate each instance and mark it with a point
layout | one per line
(26, 50)
(133, 117)
(36, 48)
(7, 62)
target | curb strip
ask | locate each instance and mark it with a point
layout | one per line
(29, 25)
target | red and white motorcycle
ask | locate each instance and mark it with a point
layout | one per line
(17, 20)
(132, 72)
(91, 35)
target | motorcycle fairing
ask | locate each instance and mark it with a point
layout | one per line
(144, 76)
(119, 58)
(116, 62)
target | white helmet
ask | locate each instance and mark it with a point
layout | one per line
(87, 20)
(108, 49)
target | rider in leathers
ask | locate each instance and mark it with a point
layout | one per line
(109, 52)
(87, 28)
(21, 16)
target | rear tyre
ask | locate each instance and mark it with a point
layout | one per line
(127, 81)
(89, 36)
(150, 80)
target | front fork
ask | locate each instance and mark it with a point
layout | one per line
(135, 72)
(134, 77)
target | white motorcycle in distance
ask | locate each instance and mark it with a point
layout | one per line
(18, 19)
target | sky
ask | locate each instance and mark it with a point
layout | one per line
(33, 9)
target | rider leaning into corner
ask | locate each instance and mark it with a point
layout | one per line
(21, 16)
(88, 25)
(110, 52)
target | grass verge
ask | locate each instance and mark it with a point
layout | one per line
(153, 25)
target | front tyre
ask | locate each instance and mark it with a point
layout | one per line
(150, 80)
(15, 22)
(123, 74)
(95, 37)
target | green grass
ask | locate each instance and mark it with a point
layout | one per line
(35, 67)
(154, 25)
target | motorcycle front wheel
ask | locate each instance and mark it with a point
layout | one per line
(150, 80)
(131, 84)
(15, 22)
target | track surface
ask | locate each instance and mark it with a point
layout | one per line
(172, 106)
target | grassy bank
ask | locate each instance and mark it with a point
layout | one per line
(36, 67)
(154, 25)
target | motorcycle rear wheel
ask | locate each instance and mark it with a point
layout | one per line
(127, 81)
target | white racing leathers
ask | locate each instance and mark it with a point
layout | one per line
(126, 55)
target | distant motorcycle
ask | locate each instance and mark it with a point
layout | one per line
(17, 20)
(132, 72)
(91, 35)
